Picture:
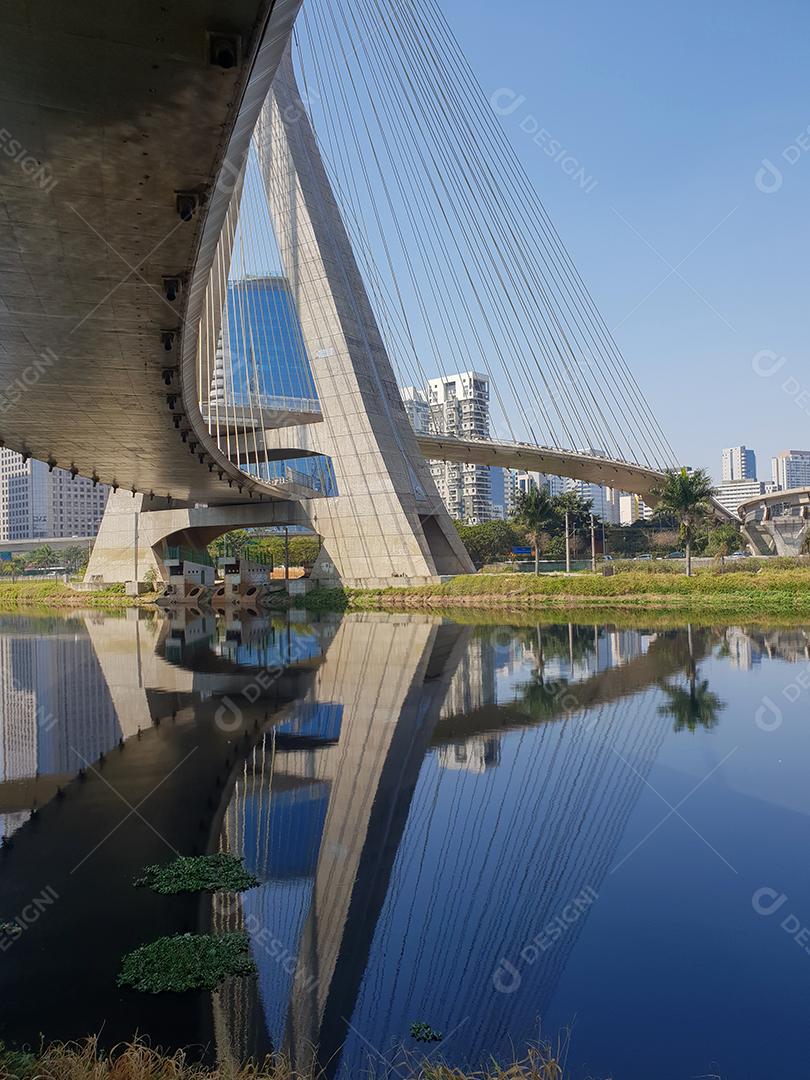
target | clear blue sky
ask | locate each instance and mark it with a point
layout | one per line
(671, 109)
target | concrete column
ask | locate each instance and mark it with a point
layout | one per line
(387, 522)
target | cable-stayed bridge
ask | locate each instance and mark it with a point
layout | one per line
(235, 233)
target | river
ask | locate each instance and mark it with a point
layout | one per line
(509, 832)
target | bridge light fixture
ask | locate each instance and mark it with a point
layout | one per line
(168, 375)
(172, 287)
(224, 50)
(187, 204)
(176, 418)
(167, 337)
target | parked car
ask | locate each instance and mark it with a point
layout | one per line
(676, 555)
(648, 558)
(738, 555)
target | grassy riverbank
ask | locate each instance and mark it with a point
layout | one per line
(743, 593)
(139, 1062)
(777, 589)
(15, 595)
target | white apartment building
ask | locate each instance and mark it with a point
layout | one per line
(791, 469)
(459, 405)
(36, 503)
(739, 463)
(733, 492)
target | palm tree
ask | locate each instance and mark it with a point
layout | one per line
(688, 497)
(43, 556)
(697, 705)
(535, 512)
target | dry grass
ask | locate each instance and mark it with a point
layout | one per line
(138, 1061)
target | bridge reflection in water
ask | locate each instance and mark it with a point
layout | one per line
(416, 797)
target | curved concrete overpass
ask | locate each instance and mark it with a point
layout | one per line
(620, 475)
(794, 497)
(116, 119)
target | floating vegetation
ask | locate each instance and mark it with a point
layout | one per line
(198, 873)
(186, 962)
(423, 1032)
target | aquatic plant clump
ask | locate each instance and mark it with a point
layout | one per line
(423, 1032)
(198, 873)
(186, 962)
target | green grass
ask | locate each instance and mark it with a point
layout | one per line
(198, 873)
(744, 592)
(186, 962)
(54, 594)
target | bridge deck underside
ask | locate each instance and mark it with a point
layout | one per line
(124, 112)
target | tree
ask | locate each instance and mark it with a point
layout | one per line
(573, 512)
(489, 541)
(73, 558)
(724, 539)
(697, 705)
(43, 556)
(579, 509)
(535, 512)
(690, 708)
(687, 496)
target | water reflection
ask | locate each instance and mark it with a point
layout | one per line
(417, 798)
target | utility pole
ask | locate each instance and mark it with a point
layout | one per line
(286, 553)
(567, 545)
(593, 544)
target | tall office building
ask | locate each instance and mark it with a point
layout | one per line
(739, 463)
(791, 469)
(36, 503)
(459, 405)
(261, 362)
(56, 712)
